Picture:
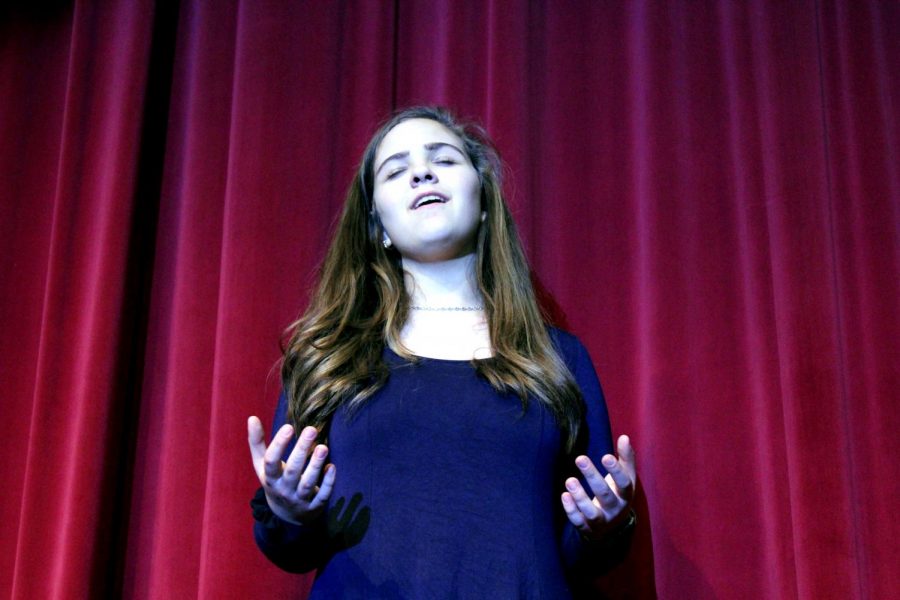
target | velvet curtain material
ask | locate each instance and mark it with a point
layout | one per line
(709, 194)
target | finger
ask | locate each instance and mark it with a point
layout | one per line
(605, 496)
(582, 500)
(272, 457)
(603, 488)
(324, 492)
(313, 472)
(293, 468)
(618, 478)
(627, 456)
(574, 515)
(592, 475)
(256, 436)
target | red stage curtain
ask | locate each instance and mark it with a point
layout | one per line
(709, 193)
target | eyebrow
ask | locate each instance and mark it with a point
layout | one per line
(430, 147)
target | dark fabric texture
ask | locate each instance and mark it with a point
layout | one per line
(708, 192)
(447, 489)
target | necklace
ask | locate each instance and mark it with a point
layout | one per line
(448, 308)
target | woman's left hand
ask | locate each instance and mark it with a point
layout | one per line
(609, 506)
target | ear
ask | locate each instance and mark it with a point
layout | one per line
(376, 228)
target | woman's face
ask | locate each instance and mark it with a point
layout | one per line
(427, 193)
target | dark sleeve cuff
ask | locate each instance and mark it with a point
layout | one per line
(595, 557)
(294, 548)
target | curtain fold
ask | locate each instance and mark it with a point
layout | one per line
(860, 101)
(708, 192)
(75, 268)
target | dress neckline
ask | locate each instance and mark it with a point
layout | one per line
(448, 361)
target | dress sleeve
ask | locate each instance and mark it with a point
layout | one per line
(595, 440)
(294, 548)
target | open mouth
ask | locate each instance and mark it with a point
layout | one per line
(429, 199)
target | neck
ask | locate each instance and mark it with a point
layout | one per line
(447, 283)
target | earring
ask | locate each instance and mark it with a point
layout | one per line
(386, 242)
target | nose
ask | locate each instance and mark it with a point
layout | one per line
(421, 173)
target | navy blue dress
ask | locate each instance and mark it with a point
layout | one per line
(446, 488)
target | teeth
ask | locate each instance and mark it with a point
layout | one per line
(428, 198)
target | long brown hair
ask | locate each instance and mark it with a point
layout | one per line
(334, 353)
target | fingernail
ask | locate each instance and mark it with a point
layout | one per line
(581, 462)
(321, 451)
(609, 462)
(571, 485)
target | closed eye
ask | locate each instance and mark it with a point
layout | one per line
(392, 174)
(445, 160)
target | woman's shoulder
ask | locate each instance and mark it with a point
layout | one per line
(561, 336)
(568, 345)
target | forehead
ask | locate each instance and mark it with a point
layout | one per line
(413, 134)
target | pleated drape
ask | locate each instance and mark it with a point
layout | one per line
(72, 111)
(709, 194)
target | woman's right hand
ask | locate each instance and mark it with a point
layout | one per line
(296, 490)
